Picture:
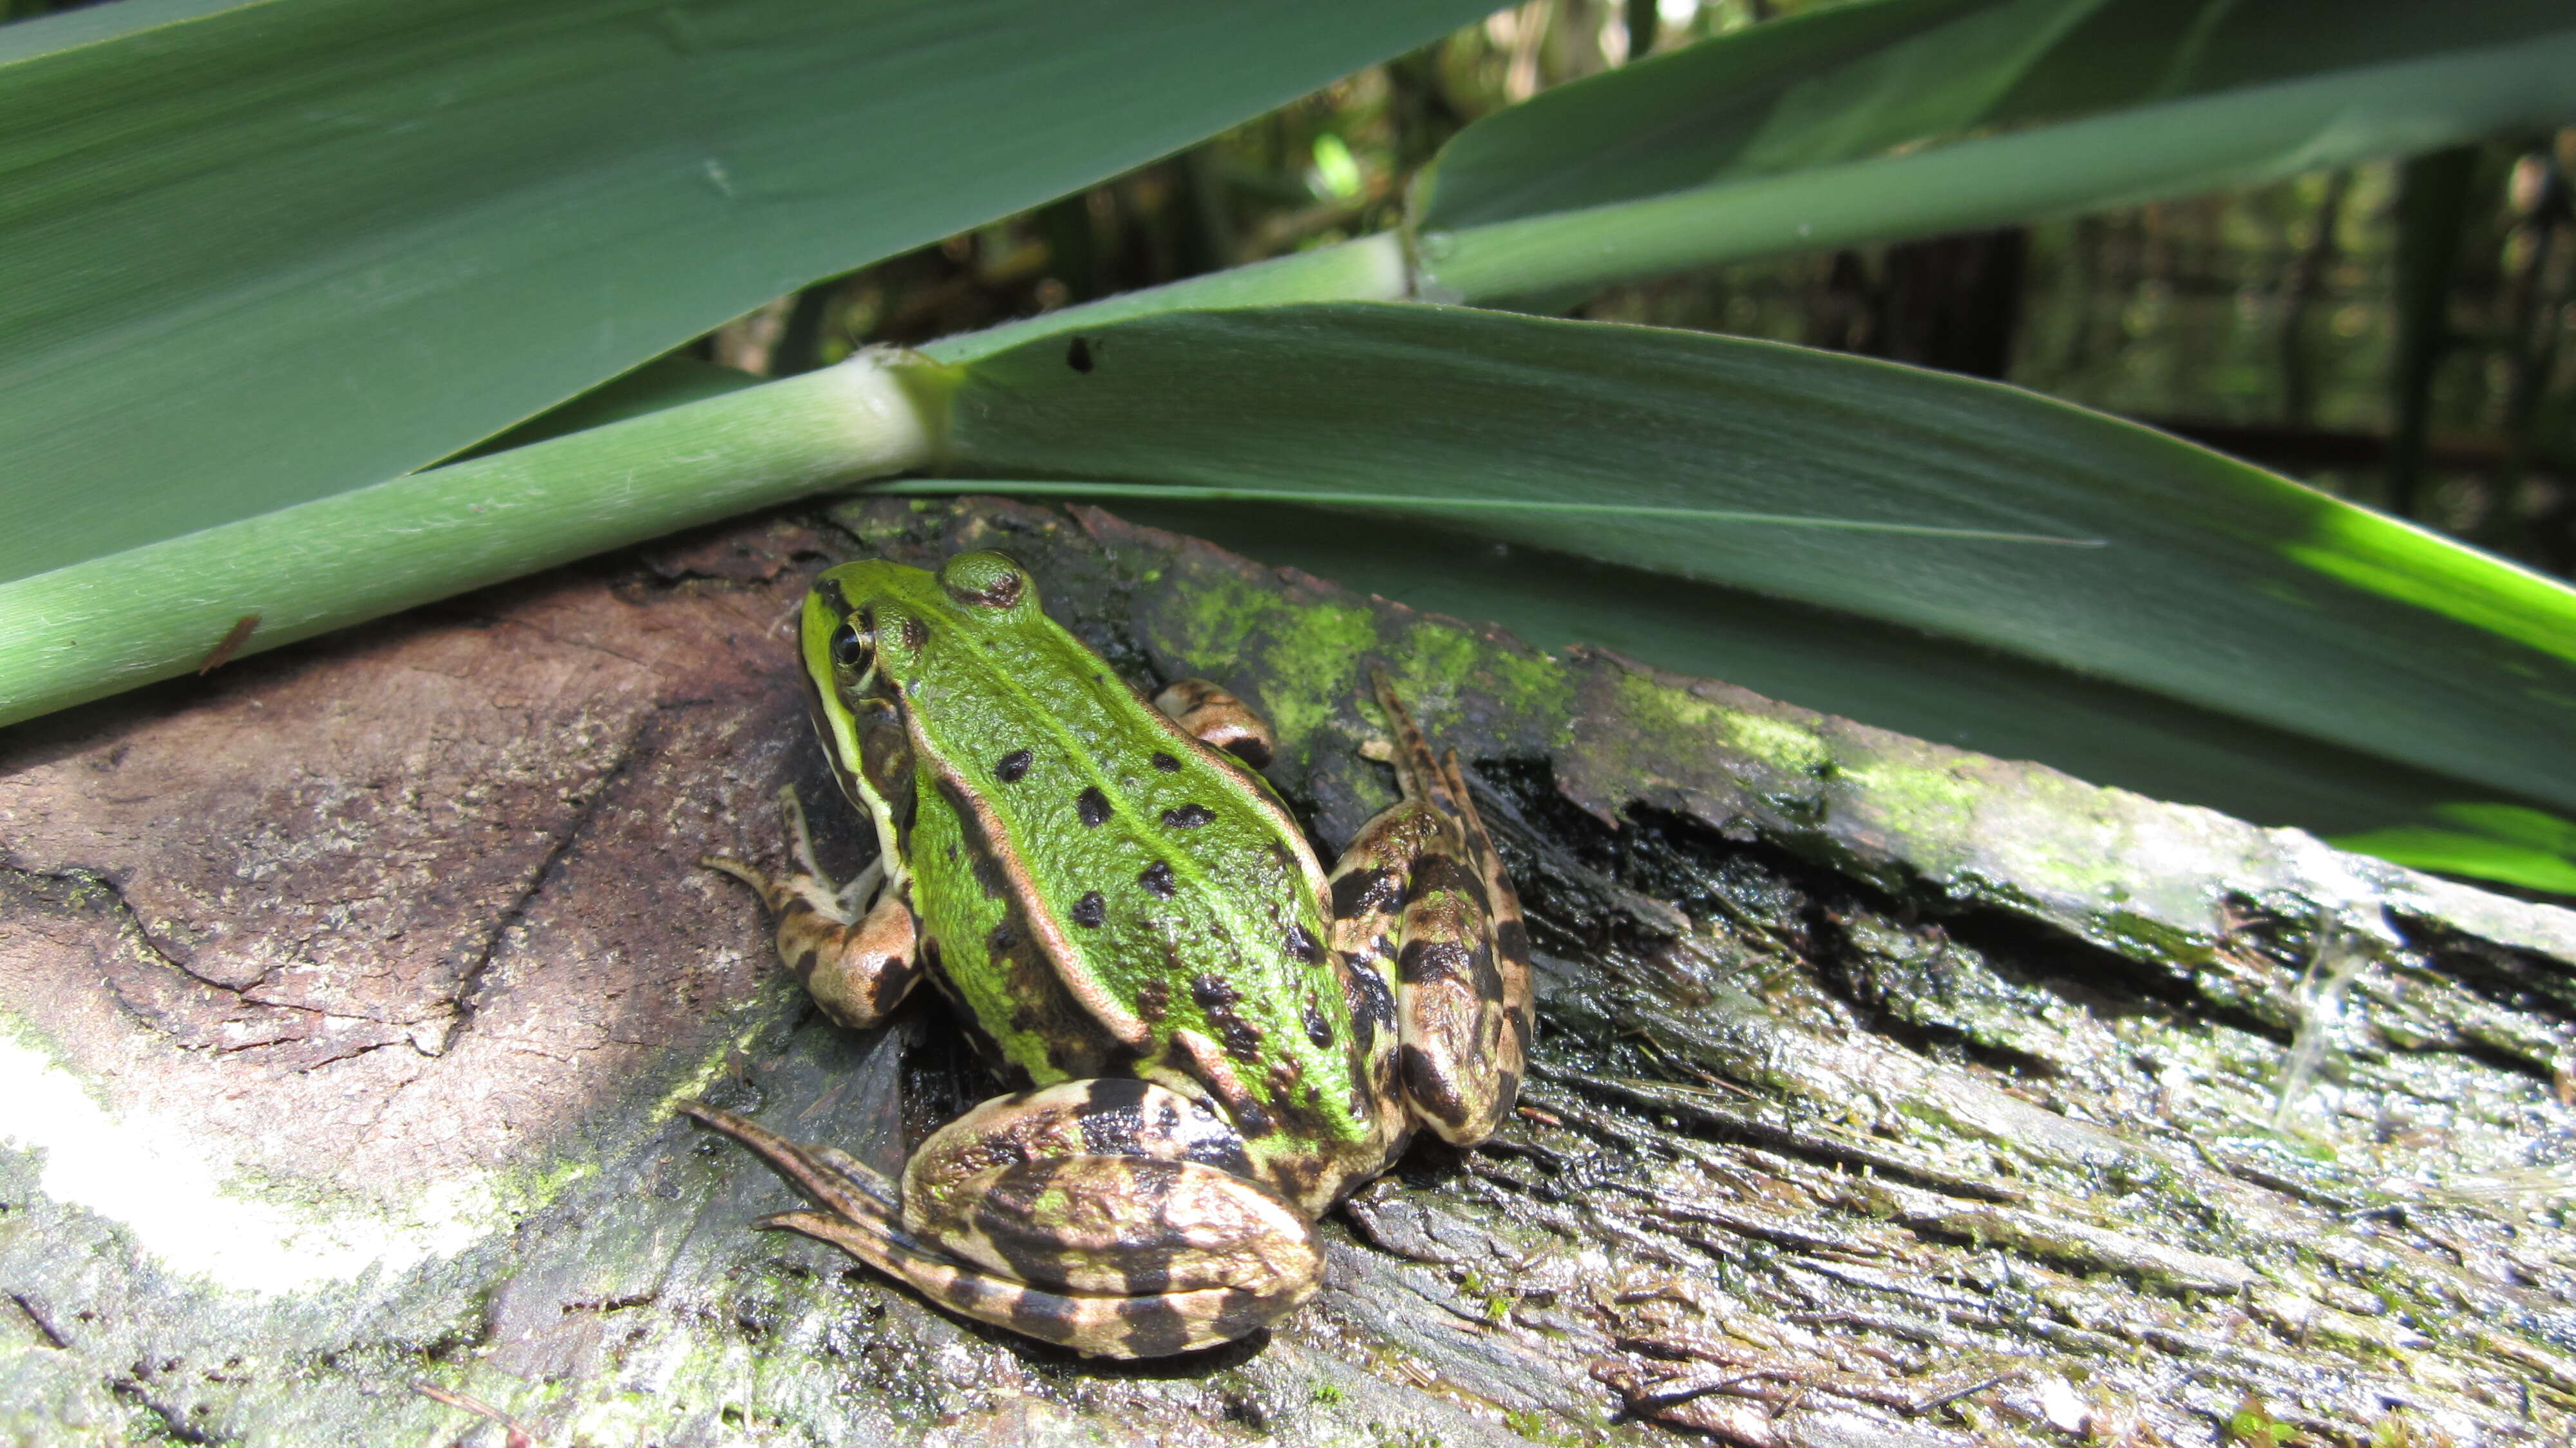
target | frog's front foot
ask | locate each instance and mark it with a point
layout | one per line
(858, 963)
(1109, 1216)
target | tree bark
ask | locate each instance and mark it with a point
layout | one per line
(1887, 1094)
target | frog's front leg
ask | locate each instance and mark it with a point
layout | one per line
(1432, 941)
(1112, 1216)
(857, 967)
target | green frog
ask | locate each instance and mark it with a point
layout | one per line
(1216, 1040)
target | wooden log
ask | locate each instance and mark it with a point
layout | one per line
(1887, 1094)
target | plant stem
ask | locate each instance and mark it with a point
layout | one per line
(164, 609)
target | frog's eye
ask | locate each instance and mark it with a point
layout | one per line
(849, 646)
(984, 580)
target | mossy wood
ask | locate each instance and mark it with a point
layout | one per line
(1885, 1094)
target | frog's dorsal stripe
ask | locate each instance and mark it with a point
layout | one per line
(1209, 1064)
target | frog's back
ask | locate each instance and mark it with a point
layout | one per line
(1106, 893)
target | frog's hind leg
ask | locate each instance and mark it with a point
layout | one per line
(1124, 1212)
(1431, 933)
(858, 966)
(855, 1210)
(1218, 718)
(1110, 1216)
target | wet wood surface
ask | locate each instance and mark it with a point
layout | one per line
(1887, 1094)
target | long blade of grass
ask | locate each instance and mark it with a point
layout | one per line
(1897, 118)
(1848, 82)
(197, 601)
(2232, 137)
(254, 252)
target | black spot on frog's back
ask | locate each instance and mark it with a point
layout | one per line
(1217, 998)
(1157, 879)
(1241, 1038)
(1091, 805)
(989, 877)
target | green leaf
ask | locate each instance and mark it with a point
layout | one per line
(2484, 840)
(1668, 123)
(254, 252)
(2221, 586)
(1727, 151)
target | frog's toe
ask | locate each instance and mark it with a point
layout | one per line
(830, 1178)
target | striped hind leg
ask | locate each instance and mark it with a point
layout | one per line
(1110, 1216)
(1431, 936)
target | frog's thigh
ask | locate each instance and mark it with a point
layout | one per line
(1412, 906)
(1211, 714)
(1110, 1215)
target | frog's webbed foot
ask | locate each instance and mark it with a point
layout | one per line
(1218, 718)
(857, 966)
(1431, 933)
(1107, 1216)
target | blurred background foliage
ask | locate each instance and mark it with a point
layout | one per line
(2390, 332)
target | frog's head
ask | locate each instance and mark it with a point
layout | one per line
(871, 616)
(868, 624)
